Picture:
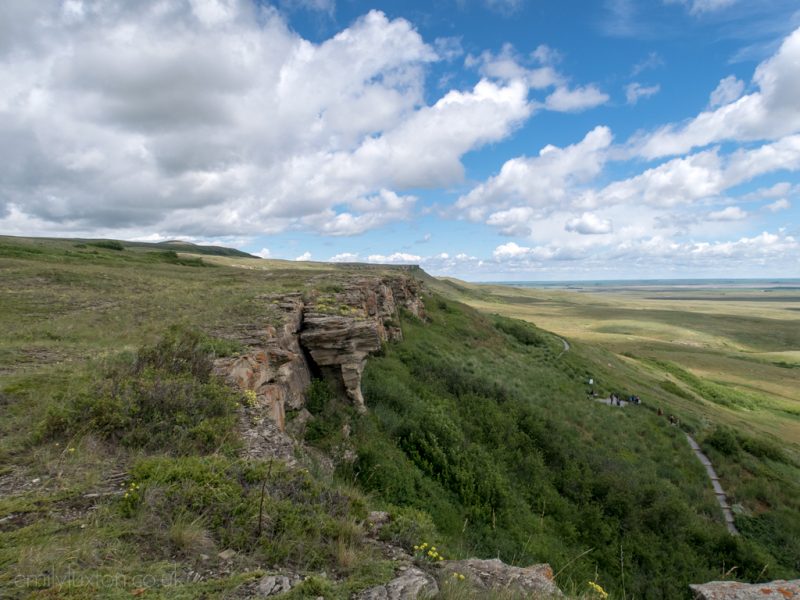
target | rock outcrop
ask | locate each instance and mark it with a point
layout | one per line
(413, 583)
(340, 330)
(733, 590)
(274, 368)
(495, 575)
(331, 333)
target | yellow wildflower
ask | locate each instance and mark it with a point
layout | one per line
(598, 589)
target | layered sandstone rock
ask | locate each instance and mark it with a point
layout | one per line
(276, 370)
(342, 329)
(332, 333)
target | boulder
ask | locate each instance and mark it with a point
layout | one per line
(410, 585)
(733, 590)
(376, 520)
(495, 575)
(272, 585)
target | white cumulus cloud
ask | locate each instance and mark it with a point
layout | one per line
(634, 91)
(396, 258)
(564, 99)
(213, 118)
(539, 182)
(729, 213)
(589, 224)
(728, 90)
(779, 205)
(769, 113)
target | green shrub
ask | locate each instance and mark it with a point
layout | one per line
(172, 257)
(312, 587)
(318, 396)
(409, 527)
(724, 440)
(108, 244)
(762, 448)
(521, 331)
(164, 399)
(674, 389)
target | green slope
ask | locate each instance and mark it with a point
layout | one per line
(482, 423)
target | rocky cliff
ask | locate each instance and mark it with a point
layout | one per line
(327, 333)
(340, 330)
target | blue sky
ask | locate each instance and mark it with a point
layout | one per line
(485, 139)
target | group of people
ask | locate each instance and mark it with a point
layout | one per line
(616, 399)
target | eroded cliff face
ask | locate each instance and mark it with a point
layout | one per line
(341, 329)
(324, 332)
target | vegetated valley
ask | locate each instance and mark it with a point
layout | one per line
(123, 469)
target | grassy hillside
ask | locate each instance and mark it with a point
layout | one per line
(119, 463)
(483, 423)
(120, 470)
(728, 359)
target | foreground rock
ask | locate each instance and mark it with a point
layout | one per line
(495, 575)
(412, 584)
(733, 590)
(273, 585)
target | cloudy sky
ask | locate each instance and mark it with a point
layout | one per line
(486, 139)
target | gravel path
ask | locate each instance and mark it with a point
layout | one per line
(718, 491)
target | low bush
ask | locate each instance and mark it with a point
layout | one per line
(164, 398)
(408, 527)
(108, 245)
(762, 448)
(173, 258)
(303, 522)
(724, 440)
(521, 331)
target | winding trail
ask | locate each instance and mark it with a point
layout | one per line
(718, 491)
(566, 347)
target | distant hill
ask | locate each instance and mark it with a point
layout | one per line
(180, 246)
(174, 245)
